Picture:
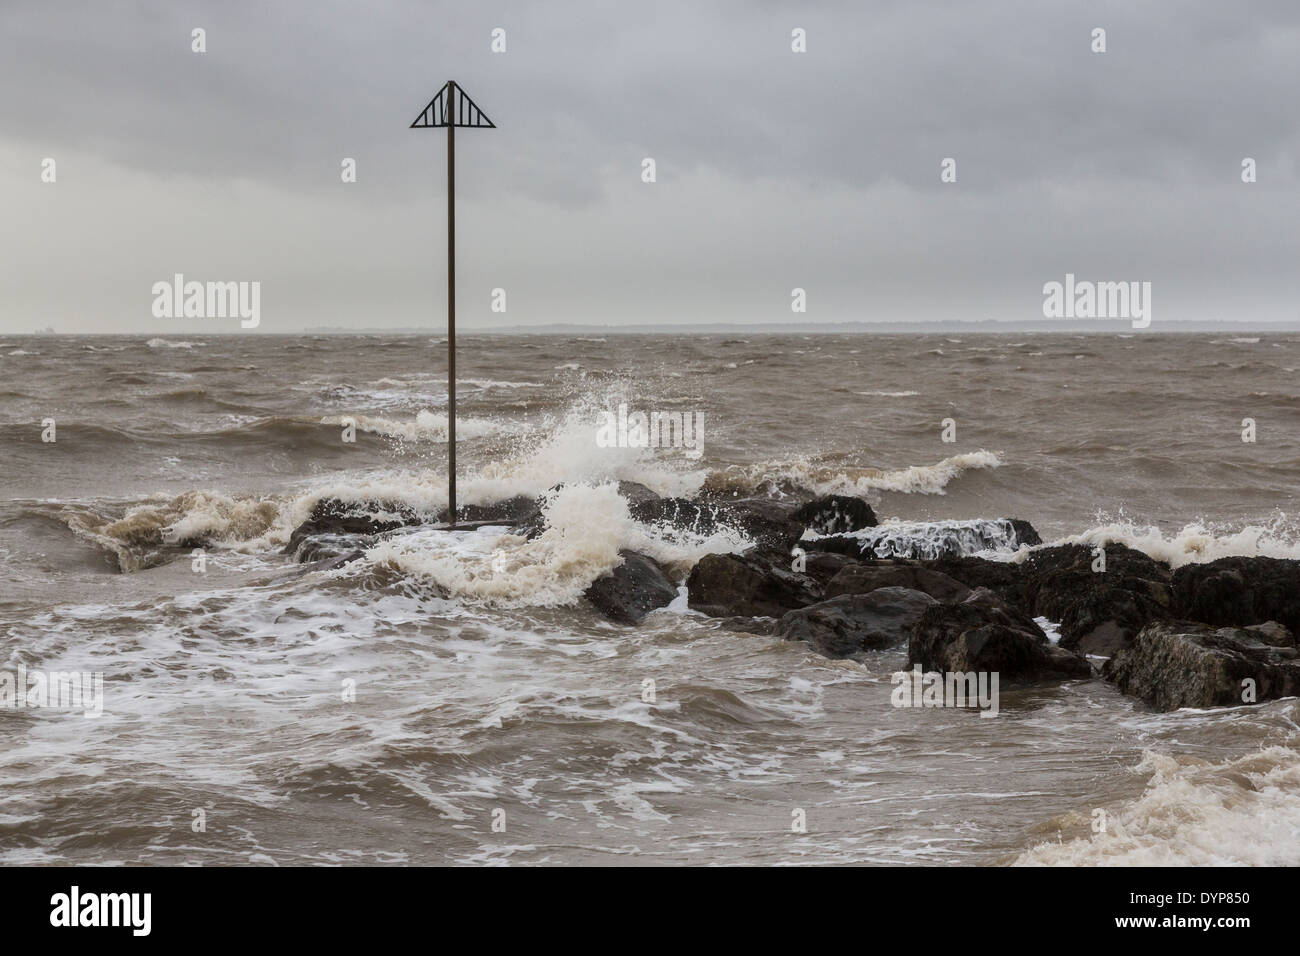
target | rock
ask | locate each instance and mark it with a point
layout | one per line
(331, 516)
(928, 540)
(343, 559)
(980, 634)
(1240, 591)
(864, 578)
(635, 492)
(852, 623)
(513, 511)
(835, 514)
(1099, 611)
(1002, 577)
(1273, 634)
(327, 563)
(1183, 664)
(822, 566)
(748, 585)
(328, 546)
(765, 521)
(632, 590)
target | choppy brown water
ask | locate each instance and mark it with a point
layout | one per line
(222, 689)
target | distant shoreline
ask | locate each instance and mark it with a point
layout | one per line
(1117, 327)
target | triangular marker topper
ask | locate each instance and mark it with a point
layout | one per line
(452, 101)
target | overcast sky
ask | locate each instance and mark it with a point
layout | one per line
(776, 169)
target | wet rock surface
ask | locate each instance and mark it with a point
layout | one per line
(982, 634)
(849, 624)
(632, 590)
(1183, 664)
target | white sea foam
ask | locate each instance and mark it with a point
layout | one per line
(1194, 543)
(915, 479)
(567, 454)
(844, 480)
(587, 525)
(487, 383)
(1242, 811)
(210, 516)
(1050, 628)
(933, 539)
(426, 426)
(158, 343)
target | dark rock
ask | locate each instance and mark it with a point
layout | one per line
(343, 559)
(765, 521)
(512, 511)
(1024, 532)
(635, 492)
(835, 544)
(324, 546)
(1184, 664)
(981, 635)
(864, 578)
(853, 623)
(1002, 577)
(328, 563)
(331, 516)
(749, 585)
(822, 566)
(632, 590)
(677, 512)
(835, 514)
(1011, 613)
(1098, 611)
(1240, 591)
(1273, 634)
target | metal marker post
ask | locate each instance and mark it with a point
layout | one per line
(451, 108)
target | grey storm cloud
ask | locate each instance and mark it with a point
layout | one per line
(776, 169)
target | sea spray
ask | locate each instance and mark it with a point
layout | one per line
(586, 527)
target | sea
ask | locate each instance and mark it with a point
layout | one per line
(452, 698)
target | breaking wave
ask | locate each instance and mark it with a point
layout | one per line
(840, 480)
(426, 426)
(1194, 543)
(934, 539)
(586, 528)
(1242, 811)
